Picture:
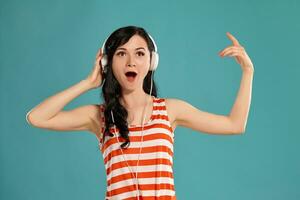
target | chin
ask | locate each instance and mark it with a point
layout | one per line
(131, 86)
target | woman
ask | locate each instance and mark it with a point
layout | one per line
(138, 154)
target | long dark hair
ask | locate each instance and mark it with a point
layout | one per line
(111, 89)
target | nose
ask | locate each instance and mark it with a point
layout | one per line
(130, 61)
(129, 65)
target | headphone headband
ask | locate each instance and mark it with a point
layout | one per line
(104, 43)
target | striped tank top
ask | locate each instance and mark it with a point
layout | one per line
(155, 165)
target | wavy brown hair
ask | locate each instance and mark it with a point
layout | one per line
(111, 89)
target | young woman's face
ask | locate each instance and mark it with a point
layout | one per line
(133, 56)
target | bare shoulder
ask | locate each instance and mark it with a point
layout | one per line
(95, 116)
(172, 105)
(93, 111)
(174, 108)
(81, 118)
(184, 114)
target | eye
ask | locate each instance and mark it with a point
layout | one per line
(141, 53)
(120, 53)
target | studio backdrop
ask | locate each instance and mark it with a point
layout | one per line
(47, 46)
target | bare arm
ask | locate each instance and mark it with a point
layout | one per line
(240, 110)
(188, 116)
(235, 123)
(49, 114)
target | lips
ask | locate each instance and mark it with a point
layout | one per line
(130, 75)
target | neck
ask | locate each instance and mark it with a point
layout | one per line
(134, 99)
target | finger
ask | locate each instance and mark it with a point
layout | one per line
(97, 62)
(99, 53)
(234, 47)
(230, 48)
(232, 52)
(233, 39)
(227, 48)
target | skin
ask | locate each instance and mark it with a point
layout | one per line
(133, 56)
(49, 114)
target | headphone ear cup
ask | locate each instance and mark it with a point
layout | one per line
(154, 61)
(104, 62)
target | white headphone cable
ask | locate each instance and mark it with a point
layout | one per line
(135, 177)
(136, 174)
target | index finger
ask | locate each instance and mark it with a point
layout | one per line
(233, 39)
(98, 53)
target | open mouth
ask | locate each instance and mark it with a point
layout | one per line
(131, 76)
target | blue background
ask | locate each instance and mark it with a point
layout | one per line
(48, 46)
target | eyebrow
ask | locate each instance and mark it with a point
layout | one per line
(135, 49)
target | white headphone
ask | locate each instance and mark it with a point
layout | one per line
(154, 59)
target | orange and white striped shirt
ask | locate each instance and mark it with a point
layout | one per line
(155, 165)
